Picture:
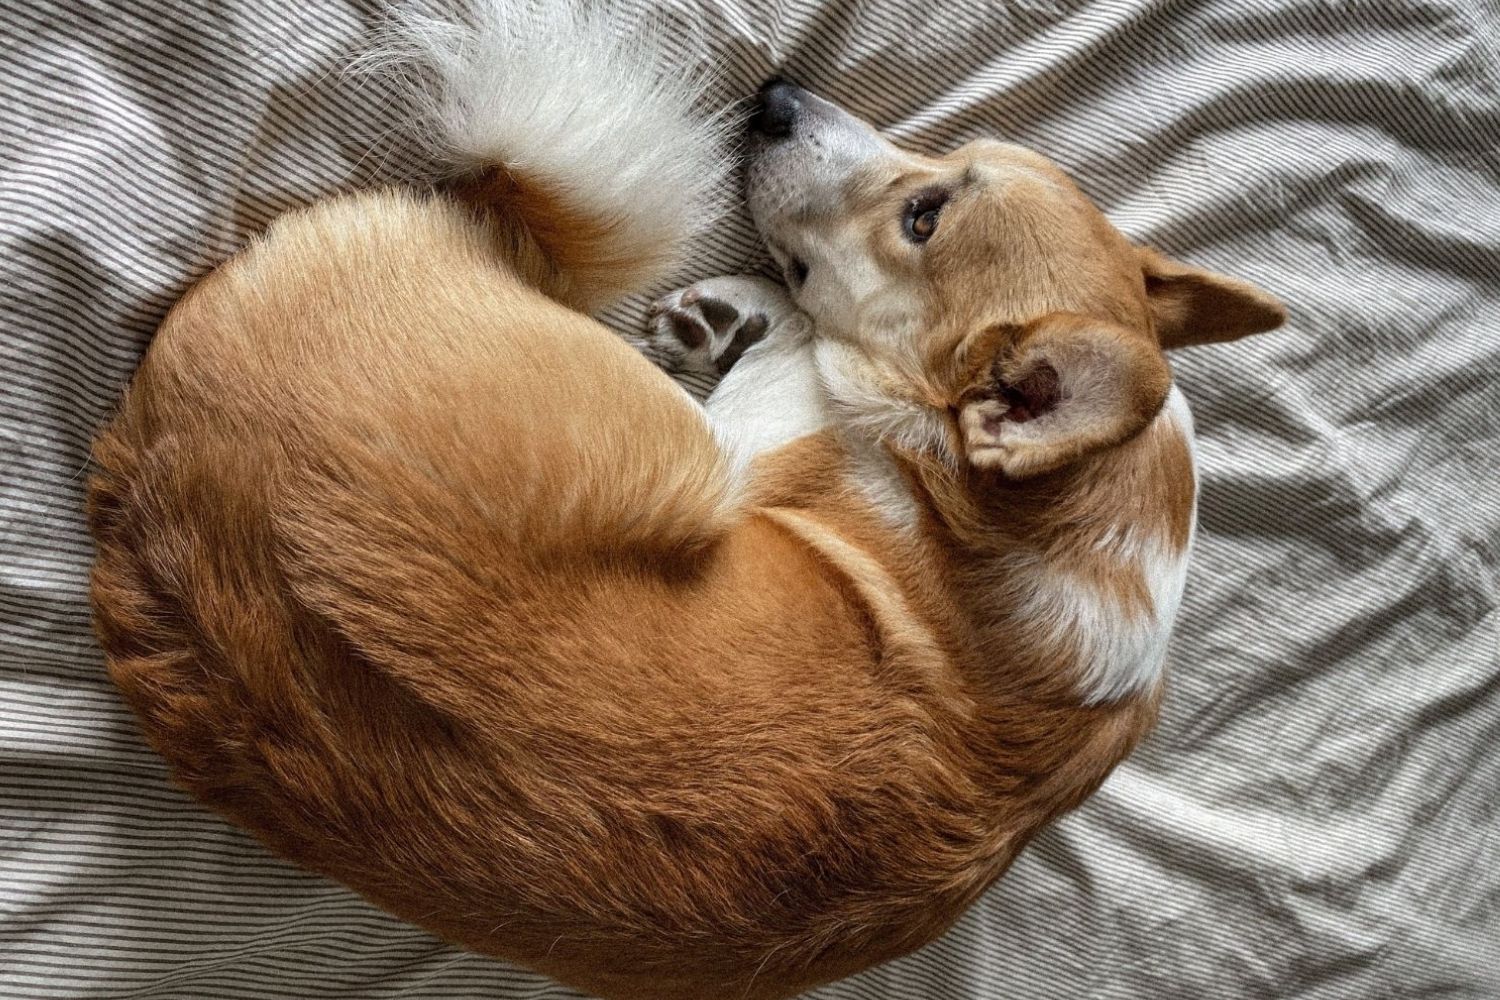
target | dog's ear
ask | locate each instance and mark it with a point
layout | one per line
(1192, 306)
(1043, 395)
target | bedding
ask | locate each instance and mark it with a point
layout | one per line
(1318, 813)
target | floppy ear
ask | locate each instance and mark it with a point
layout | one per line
(1048, 393)
(1192, 306)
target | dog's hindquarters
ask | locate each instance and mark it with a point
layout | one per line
(365, 524)
(389, 369)
(337, 331)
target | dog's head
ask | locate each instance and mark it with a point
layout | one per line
(975, 303)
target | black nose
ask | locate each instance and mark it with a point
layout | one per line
(778, 104)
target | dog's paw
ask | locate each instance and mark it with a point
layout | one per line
(707, 326)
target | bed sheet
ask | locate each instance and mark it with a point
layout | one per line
(1316, 816)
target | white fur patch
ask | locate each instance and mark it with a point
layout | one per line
(1121, 652)
(771, 397)
(777, 393)
(1176, 409)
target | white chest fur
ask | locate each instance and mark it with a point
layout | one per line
(1121, 648)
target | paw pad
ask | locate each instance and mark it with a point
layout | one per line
(699, 330)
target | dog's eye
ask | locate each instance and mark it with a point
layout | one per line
(921, 219)
(923, 226)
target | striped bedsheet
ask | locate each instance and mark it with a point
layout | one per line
(1316, 816)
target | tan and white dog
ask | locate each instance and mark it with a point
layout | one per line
(430, 581)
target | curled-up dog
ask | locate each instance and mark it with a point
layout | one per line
(444, 591)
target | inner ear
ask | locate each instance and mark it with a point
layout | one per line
(1031, 395)
(1190, 305)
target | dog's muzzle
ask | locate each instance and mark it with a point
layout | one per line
(801, 154)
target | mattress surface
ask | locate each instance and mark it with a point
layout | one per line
(1316, 816)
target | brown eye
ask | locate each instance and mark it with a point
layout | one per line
(924, 225)
(921, 219)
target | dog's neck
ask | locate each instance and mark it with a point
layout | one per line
(1057, 590)
(993, 600)
(1071, 581)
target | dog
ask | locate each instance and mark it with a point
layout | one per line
(446, 592)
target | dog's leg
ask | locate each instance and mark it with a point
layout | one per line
(751, 330)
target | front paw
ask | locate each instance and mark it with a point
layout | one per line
(707, 326)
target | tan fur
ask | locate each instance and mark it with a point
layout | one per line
(442, 591)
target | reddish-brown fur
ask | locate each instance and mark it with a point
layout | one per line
(437, 587)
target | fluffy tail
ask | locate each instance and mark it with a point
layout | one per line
(585, 145)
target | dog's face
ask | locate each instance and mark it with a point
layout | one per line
(977, 303)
